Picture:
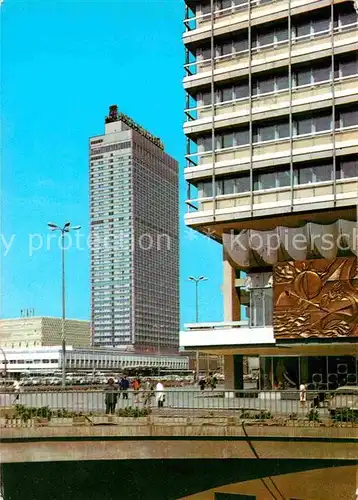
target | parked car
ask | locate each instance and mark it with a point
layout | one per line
(344, 397)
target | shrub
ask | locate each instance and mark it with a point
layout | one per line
(25, 413)
(345, 415)
(63, 413)
(313, 415)
(136, 412)
(263, 415)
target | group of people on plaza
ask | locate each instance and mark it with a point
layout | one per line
(144, 392)
(210, 381)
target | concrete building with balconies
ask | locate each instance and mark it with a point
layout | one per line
(272, 174)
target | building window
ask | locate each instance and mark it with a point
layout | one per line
(283, 178)
(242, 184)
(260, 313)
(204, 144)
(323, 123)
(323, 173)
(347, 169)
(317, 173)
(348, 67)
(241, 91)
(225, 94)
(321, 74)
(225, 49)
(347, 18)
(227, 140)
(205, 8)
(205, 189)
(242, 137)
(228, 186)
(205, 98)
(264, 133)
(241, 44)
(313, 26)
(282, 82)
(313, 124)
(205, 54)
(303, 77)
(265, 85)
(348, 118)
(320, 25)
(273, 179)
(265, 181)
(303, 126)
(225, 4)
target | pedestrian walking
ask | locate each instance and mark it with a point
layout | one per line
(303, 395)
(148, 394)
(124, 386)
(110, 397)
(17, 387)
(136, 388)
(202, 384)
(160, 395)
(211, 381)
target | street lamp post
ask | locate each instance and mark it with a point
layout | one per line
(5, 362)
(65, 229)
(197, 280)
(158, 345)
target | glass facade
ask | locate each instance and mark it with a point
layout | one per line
(317, 372)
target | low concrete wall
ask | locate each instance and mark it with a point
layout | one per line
(161, 440)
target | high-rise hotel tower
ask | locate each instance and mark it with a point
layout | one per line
(272, 172)
(134, 230)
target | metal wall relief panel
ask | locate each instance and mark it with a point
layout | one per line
(316, 298)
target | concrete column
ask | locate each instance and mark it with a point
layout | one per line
(231, 297)
(234, 373)
(229, 372)
(233, 364)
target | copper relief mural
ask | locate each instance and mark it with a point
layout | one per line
(316, 298)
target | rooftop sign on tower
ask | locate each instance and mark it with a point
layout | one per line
(114, 116)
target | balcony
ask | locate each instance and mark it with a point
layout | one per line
(270, 153)
(273, 104)
(198, 28)
(234, 333)
(303, 49)
(274, 201)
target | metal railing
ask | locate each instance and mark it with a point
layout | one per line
(192, 23)
(198, 65)
(280, 407)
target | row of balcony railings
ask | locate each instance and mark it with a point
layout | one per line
(204, 158)
(262, 102)
(315, 191)
(193, 21)
(285, 407)
(200, 65)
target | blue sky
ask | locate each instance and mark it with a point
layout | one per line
(63, 64)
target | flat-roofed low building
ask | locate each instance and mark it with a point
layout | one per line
(43, 331)
(48, 359)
